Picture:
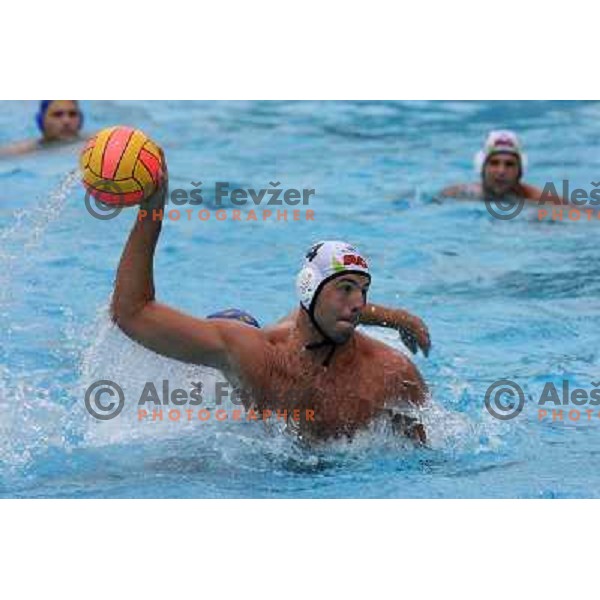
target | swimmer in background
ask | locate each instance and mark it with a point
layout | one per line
(60, 122)
(314, 361)
(501, 165)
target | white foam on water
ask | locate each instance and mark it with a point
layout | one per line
(26, 233)
(30, 421)
(113, 356)
(29, 418)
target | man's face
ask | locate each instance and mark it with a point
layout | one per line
(501, 173)
(62, 121)
(340, 304)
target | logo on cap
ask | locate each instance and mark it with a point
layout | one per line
(353, 259)
(504, 141)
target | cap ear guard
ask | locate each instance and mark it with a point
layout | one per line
(479, 161)
(306, 285)
(524, 163)
(39, 117)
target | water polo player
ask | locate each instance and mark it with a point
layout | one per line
(315, 361)
(501, 165)
(59, 121)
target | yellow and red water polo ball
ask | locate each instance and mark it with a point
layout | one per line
(121, 165)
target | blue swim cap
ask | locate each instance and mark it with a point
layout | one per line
(44, 106)
(237, 315)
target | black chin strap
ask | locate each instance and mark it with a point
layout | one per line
(326, 341)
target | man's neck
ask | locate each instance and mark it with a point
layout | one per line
(309, 335)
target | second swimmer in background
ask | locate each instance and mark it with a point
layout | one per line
(501, 164)
(59, 121)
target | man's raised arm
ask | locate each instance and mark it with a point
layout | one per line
(162, 329)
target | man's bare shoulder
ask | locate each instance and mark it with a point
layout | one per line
(272, 343)
(374, 349)
(530, 192)
(399, 371)
(279, 332)
(249, 349)
(19, 148)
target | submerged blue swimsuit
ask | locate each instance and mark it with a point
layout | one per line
(237, 315)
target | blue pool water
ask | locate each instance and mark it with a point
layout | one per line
(503, 299)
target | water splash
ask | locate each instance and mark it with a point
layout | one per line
(30, 417)
(26, 233)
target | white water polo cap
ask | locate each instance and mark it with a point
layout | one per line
(501, 142)
(323, 262)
